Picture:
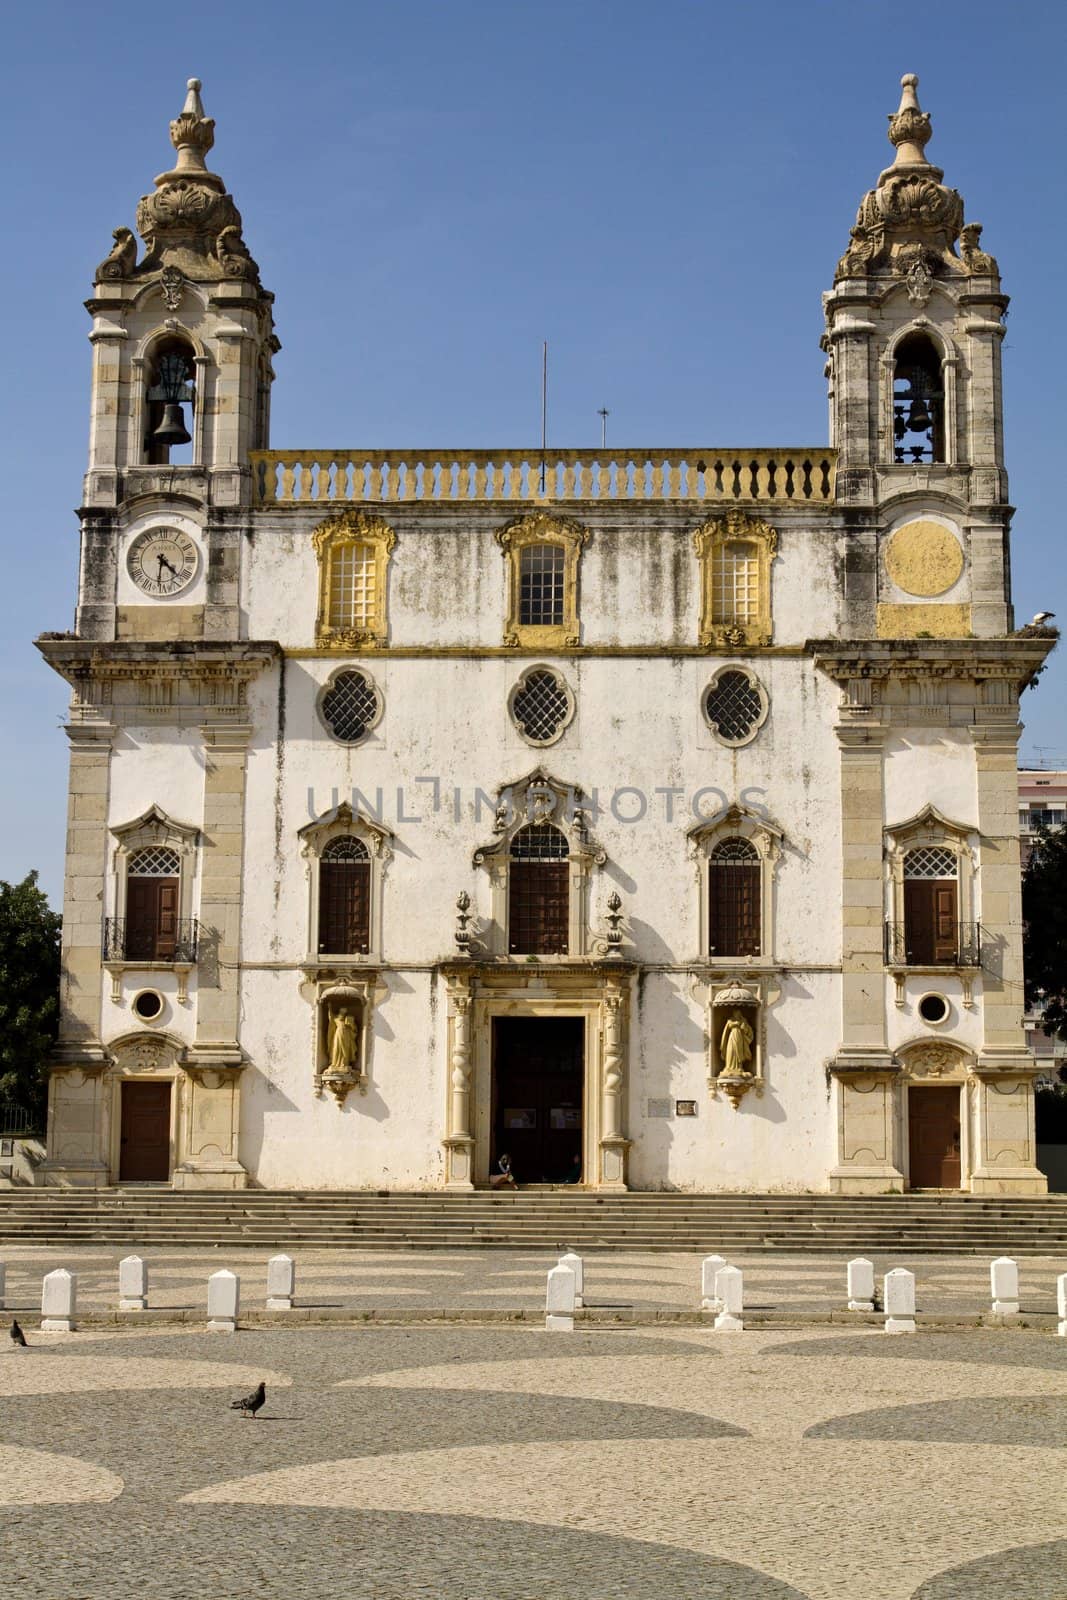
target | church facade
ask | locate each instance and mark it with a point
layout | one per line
(634, 819)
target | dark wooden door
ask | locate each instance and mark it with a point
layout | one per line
(145, 1151)
(151, 919)
(538, 1083)
(538, 908)
(934, 1138)
(734, 908)
(930, 921)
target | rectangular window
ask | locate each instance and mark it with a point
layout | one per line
(735, 583)
(151, 919)
(344, 908)
(541, 572)
(352, 579)
(734, 920)
(538, 908)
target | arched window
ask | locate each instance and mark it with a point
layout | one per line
(918, 401)
(344, 898)
(152, 904)
(734, 896)
(539, 891)
(931, 906)
(171, 387)
(541, 585)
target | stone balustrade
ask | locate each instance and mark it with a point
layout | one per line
(298, 477)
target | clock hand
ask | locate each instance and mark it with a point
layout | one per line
(165, 563)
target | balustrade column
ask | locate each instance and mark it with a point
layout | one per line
(613, 1143)
(459, 1141)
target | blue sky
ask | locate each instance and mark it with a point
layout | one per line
(433, 188)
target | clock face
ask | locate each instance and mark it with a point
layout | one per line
(162, 561)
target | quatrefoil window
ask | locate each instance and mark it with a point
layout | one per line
(541, 705)
(735, 706)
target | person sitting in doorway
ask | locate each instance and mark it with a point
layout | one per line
(503, 1178)
(574, 1175)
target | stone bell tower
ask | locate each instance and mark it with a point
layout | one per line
(182, 345)
(914, 325)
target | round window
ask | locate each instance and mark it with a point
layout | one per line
(735, 706)
(147, 1005)
(933, 1008)
(541, 706)
(351, 706)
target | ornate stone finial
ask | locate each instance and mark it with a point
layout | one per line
(192, 134)
(190, 223)
(463, 920)
(909, 127)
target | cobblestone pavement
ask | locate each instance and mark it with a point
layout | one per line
(496, 1280)
(507, 1463)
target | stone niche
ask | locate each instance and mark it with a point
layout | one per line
(735, 1055)
(342, 1020)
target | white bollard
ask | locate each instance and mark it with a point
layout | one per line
(577, 1266)
(729, 1291)
(133, 1284)
(559, 1300)
(1004, 1287)
(223, 1301)
(59, 1293)
(3, 1286)
(898, 1300)
(861, 1284)
(281, 1283)
(710, 1265)
(1061, 1305)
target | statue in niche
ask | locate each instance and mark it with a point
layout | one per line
(735, 1046)
(342, 1044)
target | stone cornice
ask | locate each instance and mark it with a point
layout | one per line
(82, 660)
(1014, 658)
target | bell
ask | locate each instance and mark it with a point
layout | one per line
(172, 429)
(919, 418)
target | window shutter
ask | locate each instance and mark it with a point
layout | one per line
(538, 908)
(344, 908)
(734, 901)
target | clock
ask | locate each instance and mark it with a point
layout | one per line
(163, 561)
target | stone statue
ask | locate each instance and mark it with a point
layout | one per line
(342, 1039)
(974, 258)
(122, 258)
(736, 1046)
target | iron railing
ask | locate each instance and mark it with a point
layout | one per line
(125, 941)
(911, 947)
(16, 1121)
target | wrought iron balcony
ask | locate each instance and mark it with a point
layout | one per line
(959, 946)
(134, 942)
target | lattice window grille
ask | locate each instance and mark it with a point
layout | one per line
(352, 582)
(539, 841)
(734, 706)
(735, 583)
(735, 853)
(541, 707)
(155, 861)
(931, 861)
(346, 849)
(350, 707)
(541, 580)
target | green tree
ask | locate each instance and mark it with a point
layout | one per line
(1045, 930)
(29, 989)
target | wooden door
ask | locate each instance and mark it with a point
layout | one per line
(151, 919)
(930, 921)
(538, 1085)
(144, 1155)
(934, 1138)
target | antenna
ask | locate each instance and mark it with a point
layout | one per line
(544, 407)
(603, 414)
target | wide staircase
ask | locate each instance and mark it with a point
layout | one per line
(943, 1224)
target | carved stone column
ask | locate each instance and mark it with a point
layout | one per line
(613, 1142)
(459, 1141)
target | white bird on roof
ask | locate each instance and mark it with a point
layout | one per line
(1041, 618)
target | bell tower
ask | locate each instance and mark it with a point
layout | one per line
(914, 325)
(182, 345)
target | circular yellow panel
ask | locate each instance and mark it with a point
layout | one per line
(924, 558)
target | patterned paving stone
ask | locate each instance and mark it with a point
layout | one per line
(1039, 1420)
(1025, 1572)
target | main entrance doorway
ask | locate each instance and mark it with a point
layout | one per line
(144, 1155)
(934, 1138)
(538, 1085)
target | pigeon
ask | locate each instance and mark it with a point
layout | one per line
(251, 1402)
(18, 1338)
